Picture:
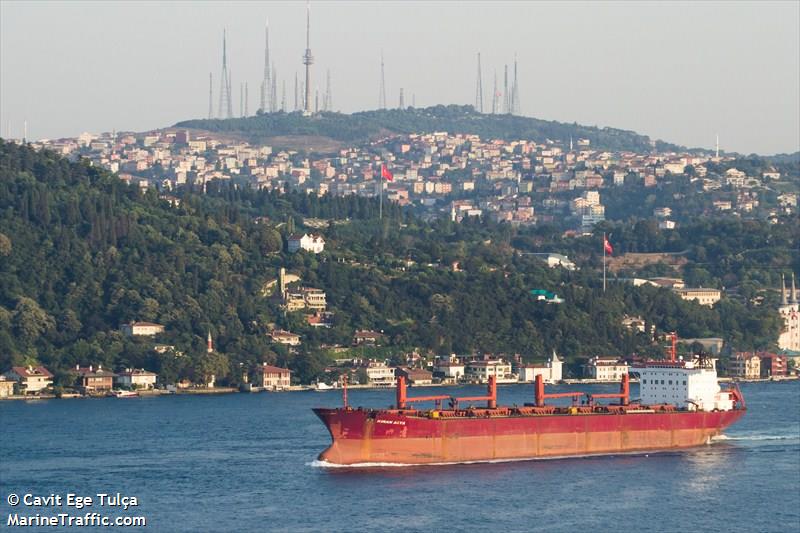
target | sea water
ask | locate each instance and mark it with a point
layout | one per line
(247, 462)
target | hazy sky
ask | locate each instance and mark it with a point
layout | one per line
(675, 71)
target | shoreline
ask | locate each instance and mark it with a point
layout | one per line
(151, 393)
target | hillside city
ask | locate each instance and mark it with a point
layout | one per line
(455, 177)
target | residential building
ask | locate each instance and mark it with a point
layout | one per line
(91, 379)
(415, 376)
(450, 369)
(285, 337)
(308, 242)
(745, 365)
(6, 387)
(136, 378)
(703, 296)
(774, 365)
(141, 328)
(605, 368)
(271, 377)
(29, 379)
(479, 371)
(366, 337)
(378, 373)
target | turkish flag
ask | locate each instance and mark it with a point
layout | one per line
(607, 246)
(385, 174)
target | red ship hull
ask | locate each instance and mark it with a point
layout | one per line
(391, 436)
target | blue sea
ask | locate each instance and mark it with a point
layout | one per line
(246, 462)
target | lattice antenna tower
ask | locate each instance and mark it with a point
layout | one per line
(328, 103)
(382, 94)
(265, 82)
(506, 100)
(479, 88)
(225, 102)
(210, 96)
(495, 94)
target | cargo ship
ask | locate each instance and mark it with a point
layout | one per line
(681, 405)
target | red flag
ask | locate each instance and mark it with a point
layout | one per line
(385, 174)
(607, 246)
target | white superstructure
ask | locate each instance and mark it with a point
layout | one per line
(688, 385)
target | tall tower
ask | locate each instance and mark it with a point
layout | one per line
(495, 94)
(402, 103)
(515, 91)
(225, 102)
(241, 99)
(784, 299)
(506, 100)
(295, 92)
(382, 94)
(265, 83)
(210, 96)
(246, 99)
(209, 343)
(283, 95)
(328, 103)
(274, 90)
(479, 88)
(308, 60)
(717, 148)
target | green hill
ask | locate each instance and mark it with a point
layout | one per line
(81, 253)
(366, 125)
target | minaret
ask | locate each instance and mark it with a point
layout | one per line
(308, 60)
(209, 343)
(784, 299)
(717, 148)
(794, 291)
(265, 83)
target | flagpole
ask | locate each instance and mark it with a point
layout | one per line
(604, 261)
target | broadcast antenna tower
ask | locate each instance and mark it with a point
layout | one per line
(241, 99)
(274, 90)
(479, 88)
(402, 103)
(225, 103)
(295, 92)
(210, 96)
(246, 100)
(328, 103)
(506, 101)
(283, 95)
(515, 91)
(308, 60)
(382, 95)
(265, 83)
(495, 94)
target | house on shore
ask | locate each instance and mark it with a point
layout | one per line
(136, 378)
(30, 379)
(414, 376)
(6, 387)
(271, 377)
(91, 379)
